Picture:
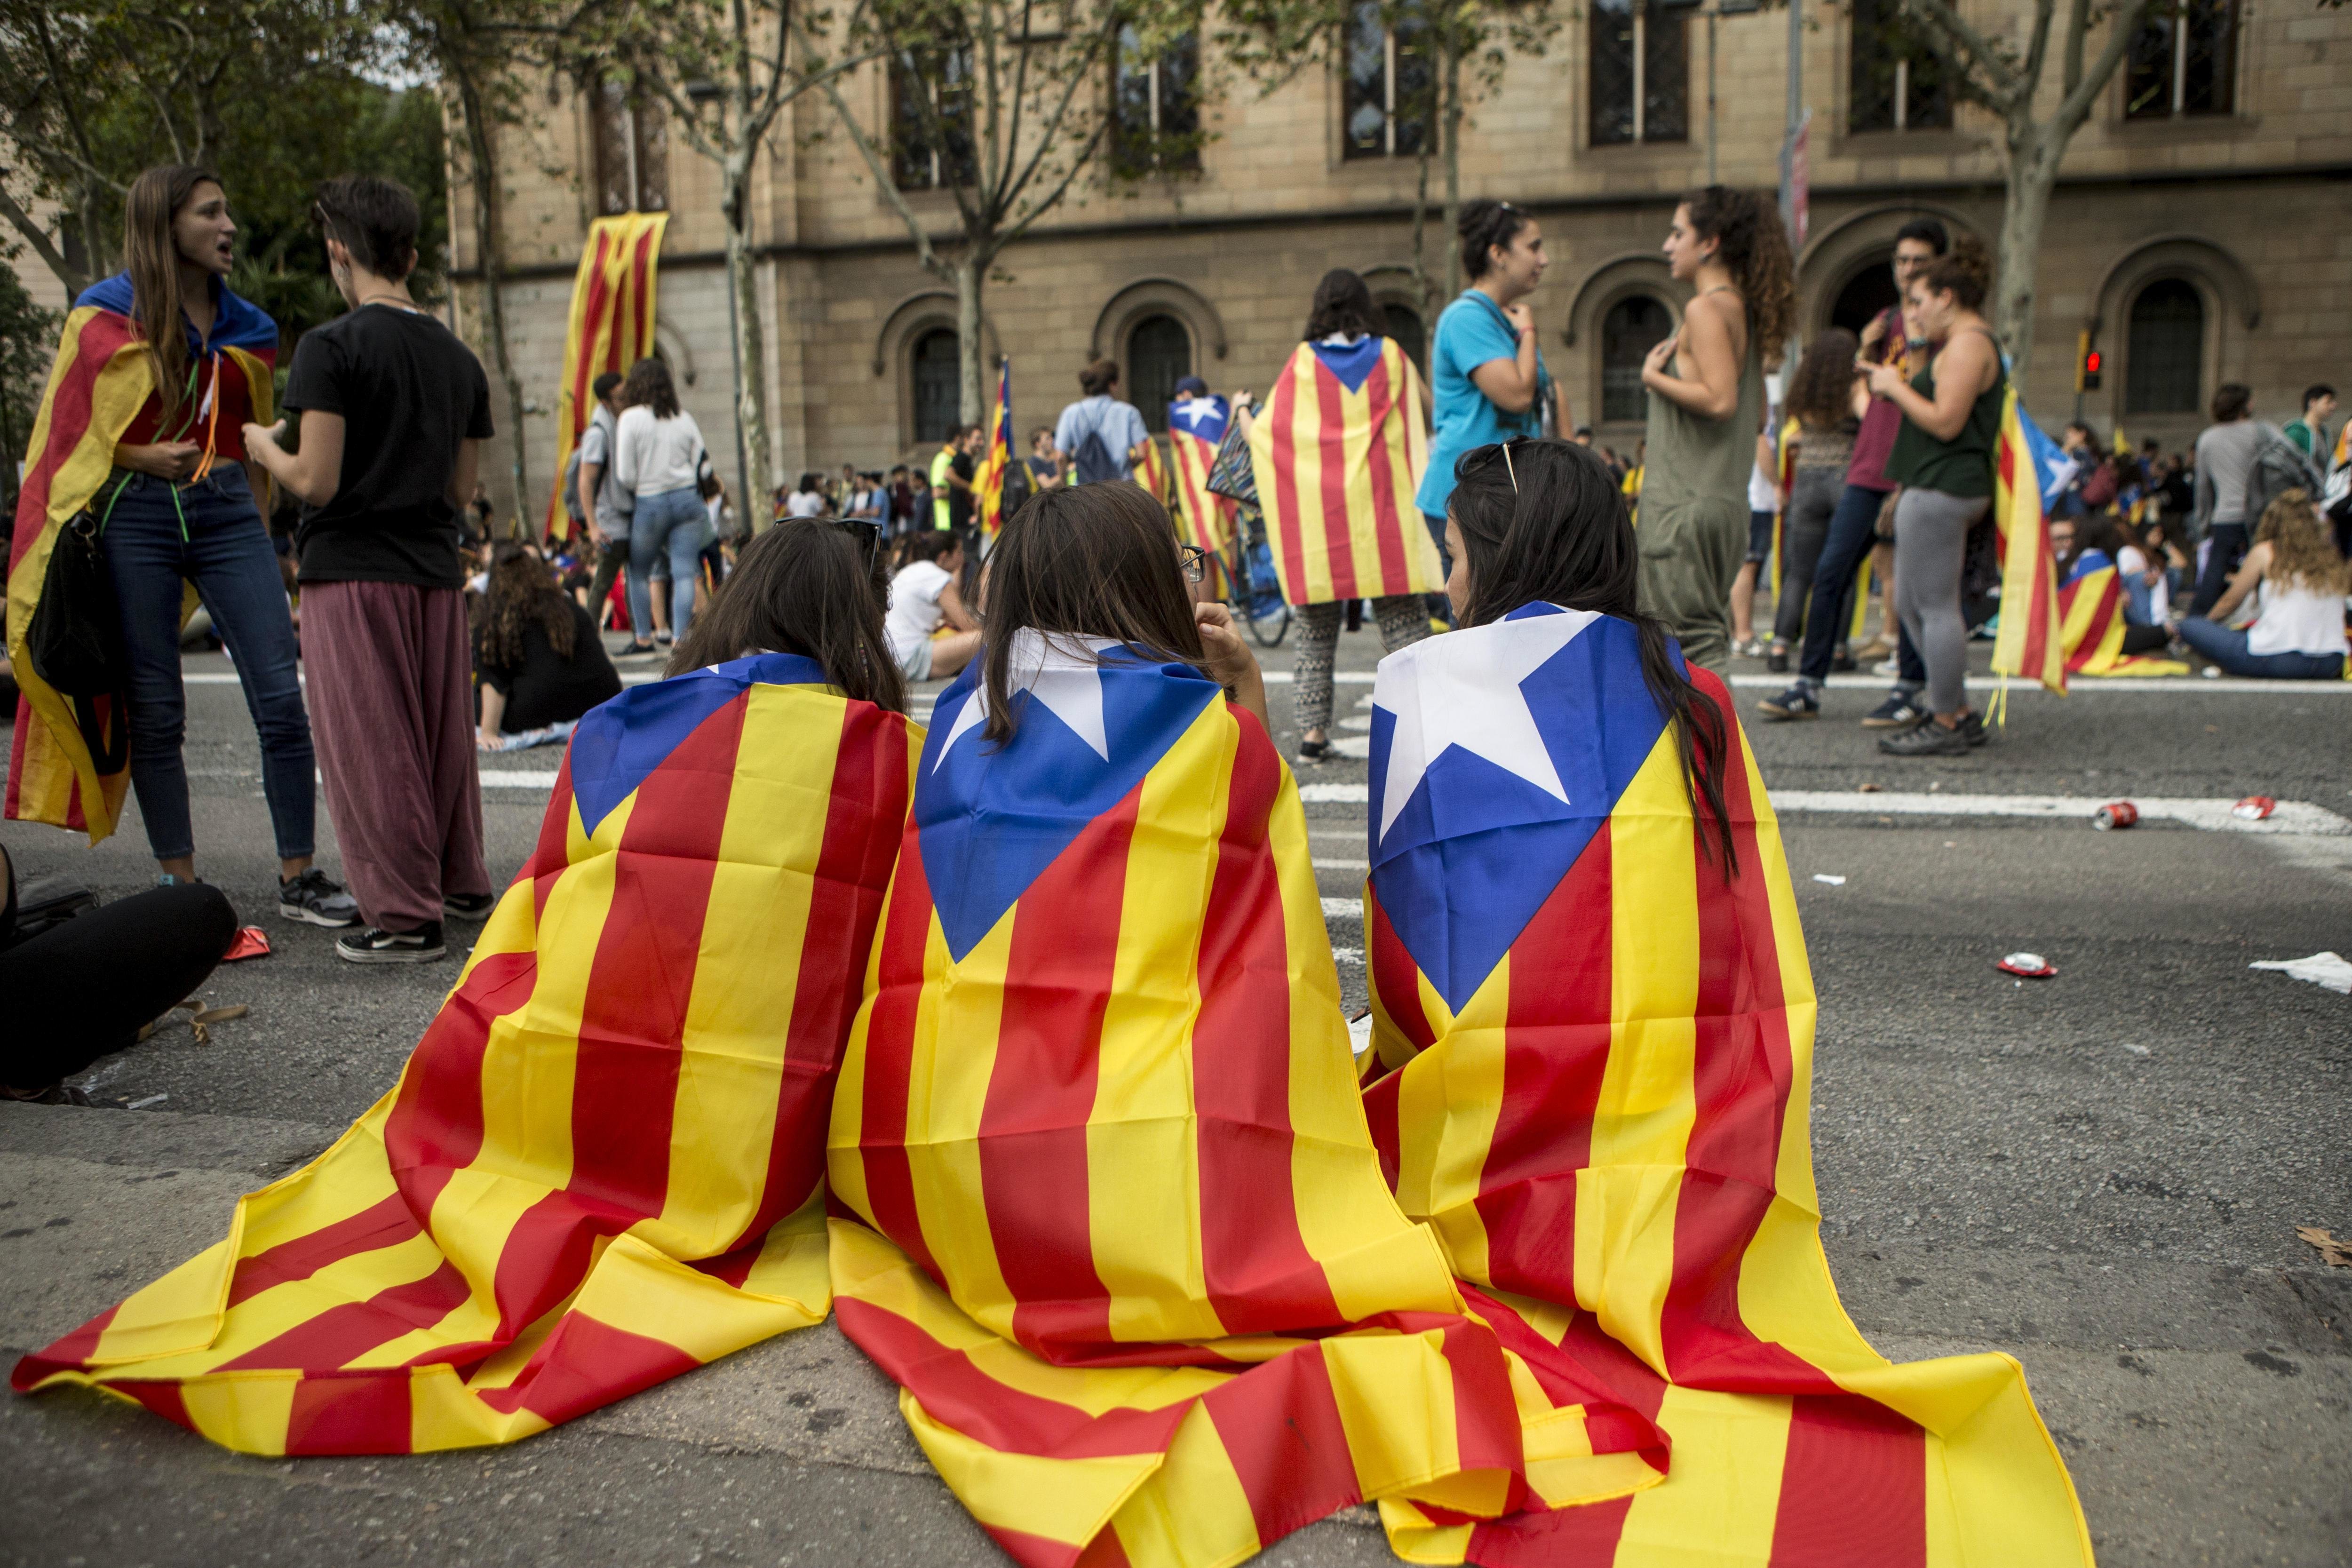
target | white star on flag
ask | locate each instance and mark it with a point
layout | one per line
(1195, 412)
(1463, 690)
(1064, 680)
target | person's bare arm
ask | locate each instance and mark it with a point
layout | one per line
(462, 473)
(2250, 571)
(494, 711)
(1712, 389)
(313, 475)
(951, 605)
(1510, 383)
(164, 459)
(1231, 663)
(592, 475)
(1962, 372)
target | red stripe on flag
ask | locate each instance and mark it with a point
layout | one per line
(1032, 1128)
(632, 1024)
(1395, 976)
(434, 1129)
(1555, 1054)
(1284, 412)
(366, 1413)
(1389, 520)
(549, 856)
(386, 1223)
(587, 1364)
(1486, 1416)
(165, 1399)
(1854, 1487)
(1331, 404)
(74, 1351)
(591, 311)
(890, 1059)
(1280, 1426)
(1261, 1276)
(339, 1335)
(1040, 1552)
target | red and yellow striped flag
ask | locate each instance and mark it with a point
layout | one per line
(2091, 622)
(1151, 472)
(1338, 456)
(1196, 428)
(610, 328)
(1599, 1048)
(603, 1164)
(1118, 1229)
(2029, 641)
(101, 378)
(988, 484)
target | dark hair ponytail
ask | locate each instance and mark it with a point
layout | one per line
(1484, 225)
(1560, 535)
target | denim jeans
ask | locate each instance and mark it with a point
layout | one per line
(669, 523)
(2228, 649)
(1852, 532)
(2226, 548)
(209, 534)
(1812, 501)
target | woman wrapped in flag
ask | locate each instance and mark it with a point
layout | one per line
(159, 371)
(1337, 454)
(1594, 1018)
(2098, 624)
(1115, 1224)
(603, 1164)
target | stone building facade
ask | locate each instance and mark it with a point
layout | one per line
(2201, 229)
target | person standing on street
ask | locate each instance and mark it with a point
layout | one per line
(1707, 406)
(600, 501)
(1823, 399)
(951, 471)
(173, 487)
(2309, 433)
(1098, 438)
(658, 459)
(2225, 461)
(394, 411)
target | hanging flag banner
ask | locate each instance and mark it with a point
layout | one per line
(610, 328)
(1597, 1041)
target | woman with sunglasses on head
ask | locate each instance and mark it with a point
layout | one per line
(1706, 408)
(160, 371)
(924, 596)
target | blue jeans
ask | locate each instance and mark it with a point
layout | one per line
(672, 523)
(1851, 534)
(2228, 649)
(2228, 548)
(209, 534)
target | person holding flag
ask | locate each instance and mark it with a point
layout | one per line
(1197, 422)
(987, 482)
(1338, 456)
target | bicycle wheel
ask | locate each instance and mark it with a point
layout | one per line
(1269, 630)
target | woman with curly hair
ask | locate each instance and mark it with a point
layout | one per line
(2299, 583)
(536, 655)
(1706, 408)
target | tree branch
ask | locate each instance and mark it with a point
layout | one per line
(2121, 28)
(1969, 49)
(34, 235)
(2037, 51)
(1052, 198)
(831, 87)
(1052, 134)
(2078, 22)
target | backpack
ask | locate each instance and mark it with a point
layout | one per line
(75, 643)
(571, 489)
(2279, 467)
(1094, 461)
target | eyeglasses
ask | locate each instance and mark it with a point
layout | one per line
(867, 533)
(1193, 560)
(1479, 456)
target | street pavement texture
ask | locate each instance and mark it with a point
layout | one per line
(2100, 1173)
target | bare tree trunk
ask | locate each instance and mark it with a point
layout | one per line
(1451, 65)
(2034, 152)
(1424, 288)
(970, 273)
(491, 245)
(751, 338)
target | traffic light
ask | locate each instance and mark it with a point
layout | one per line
(2087, 364)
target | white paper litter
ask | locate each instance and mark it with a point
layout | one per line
(1832, 881)
(1359, 1035)
(2326, 969)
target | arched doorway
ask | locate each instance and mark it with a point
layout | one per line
(1158, 355)
(1404, 326)
(1632, 327)
(1870, 290)
(2164, 354)
(937, 378)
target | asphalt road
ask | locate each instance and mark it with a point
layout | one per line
(2100, 1173)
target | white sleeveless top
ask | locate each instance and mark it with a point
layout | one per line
(2296, 620)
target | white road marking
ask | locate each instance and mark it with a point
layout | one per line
(1343, 909)
(2078, 684)
(1334, 794)
(1342, 865)
(2293, 816)
(516, 778)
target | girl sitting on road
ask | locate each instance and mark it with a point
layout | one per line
(539, 661)
(2299, 583)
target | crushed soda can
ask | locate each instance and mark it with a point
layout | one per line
(251, 942)
(2115, 814)
(2253, 808)
(2032, 965)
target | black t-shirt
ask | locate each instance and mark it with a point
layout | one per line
(545, 688)
(409, 393)
(960, 501)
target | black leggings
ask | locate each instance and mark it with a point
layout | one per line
(80, 990)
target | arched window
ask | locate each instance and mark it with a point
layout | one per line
(2164, 361)
(1404, 326)
(937, 384)
(1158, 355)
(1866, 294)
(1632, 327)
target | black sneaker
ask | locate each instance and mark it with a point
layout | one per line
(1777, 661)
(1841, 663)
(376, 945)
(1972, 726)
(1926, 739)
(1900, 710)
(469, 906)
(1799, 702)
(1314, 750)
(317, 898)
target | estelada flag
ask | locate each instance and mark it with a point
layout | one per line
(1196, 428)
(1151, 471)
(2028, 470)
(2091, 622)
(1599, 1048)
(1118, 1229)
(603, 1164)
(1337, 454)
(104, 375)
(610, 328)
(988, 484)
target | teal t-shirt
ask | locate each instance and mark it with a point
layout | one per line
(1472, 331)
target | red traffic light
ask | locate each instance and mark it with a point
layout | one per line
(2090, 362)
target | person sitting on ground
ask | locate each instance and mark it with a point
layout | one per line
(2299, 583)
(807, 498)
(923, 597)
(84, 988)
(537, 656)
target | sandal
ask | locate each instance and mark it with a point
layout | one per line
(1314, 750)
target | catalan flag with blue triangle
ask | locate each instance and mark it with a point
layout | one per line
(603, 1164)
(2091, 622)
(1596, 1057)
(2030, 473)
(1105, 1203)
(1337, 454)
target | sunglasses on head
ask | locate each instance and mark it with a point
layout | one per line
(867, 533)
(1479, 456)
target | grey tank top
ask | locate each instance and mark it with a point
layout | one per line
(1692, 458)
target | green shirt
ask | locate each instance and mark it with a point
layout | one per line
(1963, 465)
(942, 462)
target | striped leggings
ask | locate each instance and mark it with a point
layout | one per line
(1403, 620)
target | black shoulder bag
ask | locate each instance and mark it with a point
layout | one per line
(76, 642)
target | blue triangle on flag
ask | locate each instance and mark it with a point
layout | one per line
(620, 742)
(1350, 364)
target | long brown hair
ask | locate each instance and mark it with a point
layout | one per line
(521, 593)
(1820, 394)
(1965, 272)
(650, 386)
(2303, 549)
(1750, 241)
(1085, 561)
(811, 587)
(1550, 527)
(151, 252)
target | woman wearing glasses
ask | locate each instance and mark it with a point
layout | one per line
(923, 598)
